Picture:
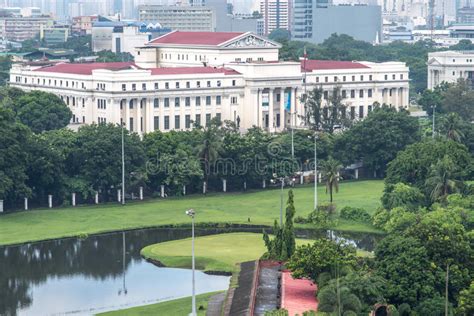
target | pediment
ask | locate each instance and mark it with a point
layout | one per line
(250, 40)
(433, 61)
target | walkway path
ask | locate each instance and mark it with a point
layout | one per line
(298, 295)
(214, 306)
(267, 291)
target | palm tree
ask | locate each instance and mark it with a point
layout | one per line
(451, 125)
(211, 144)
(440, 179)
(330, 170)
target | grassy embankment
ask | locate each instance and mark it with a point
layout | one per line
(213, 253)
(179, 307)
(261, 207)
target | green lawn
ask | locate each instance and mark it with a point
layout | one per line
(179, 307)
(213, 253)
(262, 207)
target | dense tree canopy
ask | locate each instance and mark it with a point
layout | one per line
(377, 139)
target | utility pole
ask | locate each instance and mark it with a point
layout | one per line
(123, 166)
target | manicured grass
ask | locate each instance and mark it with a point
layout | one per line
(179, 307)
(261, 207)
(213, 253)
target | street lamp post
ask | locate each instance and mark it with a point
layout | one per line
(192, 213)
(123, 166)
(433, 127)
(282, 180)
(315, 173)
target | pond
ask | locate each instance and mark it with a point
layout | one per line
(100, 273)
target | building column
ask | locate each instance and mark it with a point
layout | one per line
(126, 118)
(282, 109)
(148, 116)
(270, 110)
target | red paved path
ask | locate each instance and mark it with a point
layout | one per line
(297, 295)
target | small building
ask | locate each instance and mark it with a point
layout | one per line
(118, 36)
(50, 54)
(450, 66)
(54, 35)
(82, 25)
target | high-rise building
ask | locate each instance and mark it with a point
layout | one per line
(317, 21)
(180, 18)
(276, 15)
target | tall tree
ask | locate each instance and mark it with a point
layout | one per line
(41, 111)
(330, 170)
(458, 98)
(378, 138)
(210, 146)
(451, 125)
(442, 180)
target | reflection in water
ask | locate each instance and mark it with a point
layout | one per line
(102, 272)
(73, 274)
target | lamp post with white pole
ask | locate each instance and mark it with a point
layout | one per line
(433, 127)
(315, 173)
(123, 166)
(192, 213)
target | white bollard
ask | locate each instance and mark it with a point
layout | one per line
(264, 184)
(184, 189)
(119, 195)
(320, 178)
(204, 187)
(133, 196)
(50, 201)
(162, 191)
(1, 206)
(26, 204)
(73, 198)
(301, 179)
(245, 185)
(141, 193)
(224, 185)
(96, 198)
(356, 175)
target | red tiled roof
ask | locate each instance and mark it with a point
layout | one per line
(85, 68)
(196, 38)
(191, 70)
(310, 65)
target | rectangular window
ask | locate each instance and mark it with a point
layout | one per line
(353, 78)
(218, 83)
(167, 102)
(198, 84)
(361, 78)
(208, 84)
(353, 94)
(167, 85)
(233, 100)
(134, 87)
(176, 122)
(353, 111)
(198, 101)
(143, 86)
(187, 121)
(386, 77)
(218, 117)
(370, 77)
(187, 101)
(188, 84)
(325, 95)
(344, 94)
(156, 103)
(124, 87)
(317, 79)
(156, 85)
(344, 78)
(401, 76)
(233, 83)
(278, 120)
(326, 79)
(218, 100)
(208, 119)
(131, 124)
(361, 93)
(141, 124)
(393, 77)
(369, 93)
(198, 119)
(361, 111)
(278, 96)
(156, 123)
(177, 85)
(208, 100)
(167, 122)
(176, 102)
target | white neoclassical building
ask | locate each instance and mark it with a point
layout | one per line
(450, 66)
(186, 77)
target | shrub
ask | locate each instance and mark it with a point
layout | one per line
(301, 220)
(355, 214)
